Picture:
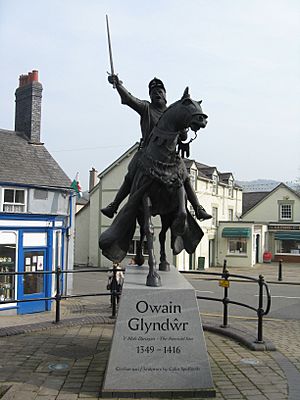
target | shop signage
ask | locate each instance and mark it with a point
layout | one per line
(284, 227)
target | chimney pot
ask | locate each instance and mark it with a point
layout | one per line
(35, 75)
(29, 78)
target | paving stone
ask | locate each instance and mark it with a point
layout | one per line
(28, 355)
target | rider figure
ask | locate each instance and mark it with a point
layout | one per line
(150, 113)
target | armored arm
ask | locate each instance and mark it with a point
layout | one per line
(126, 97)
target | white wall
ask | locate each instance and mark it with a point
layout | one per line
(82, 235)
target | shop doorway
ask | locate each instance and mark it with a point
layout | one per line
(211, 252)
(34, 284)
(192, 261)
(257, 248)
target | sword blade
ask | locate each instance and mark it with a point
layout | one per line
(109, 48)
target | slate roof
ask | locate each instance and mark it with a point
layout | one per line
(250, 199)
(28, 164)
(206, 171)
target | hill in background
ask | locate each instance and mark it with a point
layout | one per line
(264, 185)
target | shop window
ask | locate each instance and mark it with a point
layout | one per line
(14, 200)
(33, 262)
(286, 211)
(7, 264)
(288, 247)
(133, 248)
(237, 246)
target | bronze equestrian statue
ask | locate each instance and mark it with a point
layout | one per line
(159, 185)
(149, 112)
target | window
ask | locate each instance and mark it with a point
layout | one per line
(230, 214)
(287, 247)
(7, 264)
(230, 189)
(214, 216)
(285, 211)
(193, 177)
(14, 200)
(215, 184)
(133, 247)
(237, 246)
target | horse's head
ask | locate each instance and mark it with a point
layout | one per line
(194, 116)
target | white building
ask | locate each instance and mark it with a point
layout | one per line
(269, 229)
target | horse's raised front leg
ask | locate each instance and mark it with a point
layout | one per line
(163, 265)
(139, 258)
(153, 279)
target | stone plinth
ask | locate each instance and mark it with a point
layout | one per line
(158, 345)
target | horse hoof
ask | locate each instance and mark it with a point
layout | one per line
(164, 266)
(153, 280)
(139, 260)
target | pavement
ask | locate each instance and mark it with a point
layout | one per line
(41, 360)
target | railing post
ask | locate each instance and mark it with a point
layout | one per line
(224, 266)
(280, 270)
(57, 295)
(225, 276)
(114, 288)
(260, 311)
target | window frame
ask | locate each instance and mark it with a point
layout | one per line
(243, 241)
(193, 178)
(214, 213)
(215, 183)
(14, 204)
(8, 282)
(290, 212)
(284, 203)
(230, 188)
(230, 214)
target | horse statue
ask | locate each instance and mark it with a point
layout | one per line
(158, 174)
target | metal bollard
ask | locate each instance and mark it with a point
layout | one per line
(260, 311)
(225, 276)
(57, 296)
(280, 270)
(114, 289)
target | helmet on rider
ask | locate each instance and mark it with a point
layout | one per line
(157, 92)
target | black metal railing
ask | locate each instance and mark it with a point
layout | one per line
(58, 296)
(224, 282)
(114, 293)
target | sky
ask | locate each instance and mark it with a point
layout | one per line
(241, 57)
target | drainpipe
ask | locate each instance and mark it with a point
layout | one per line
(66, 231)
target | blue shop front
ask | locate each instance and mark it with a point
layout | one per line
(36, 209)
(30, 244)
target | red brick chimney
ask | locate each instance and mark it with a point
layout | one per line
(28, 106)
(93, 178)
